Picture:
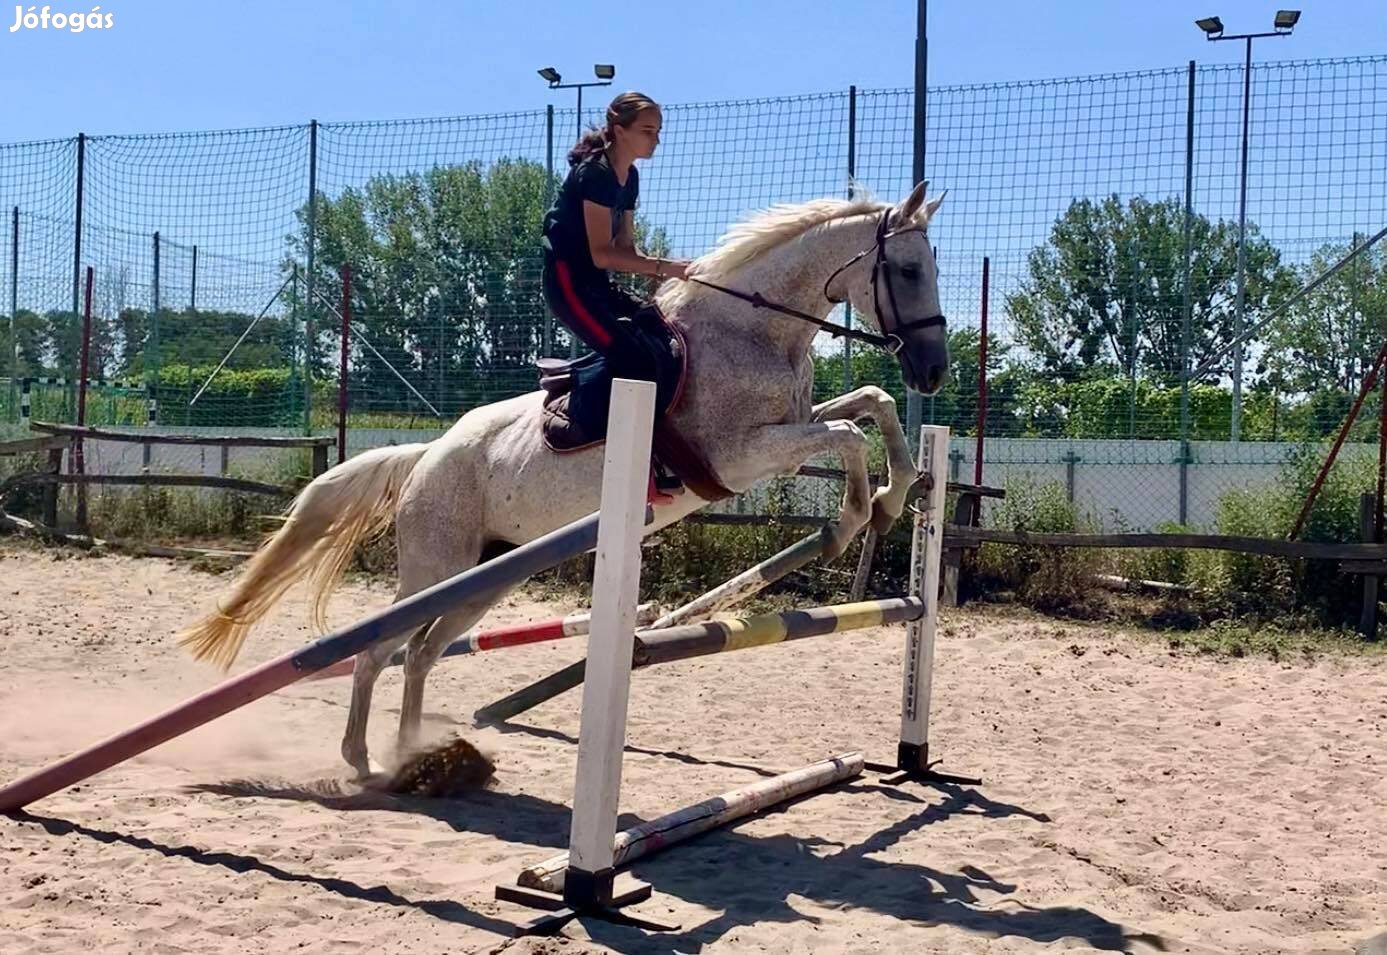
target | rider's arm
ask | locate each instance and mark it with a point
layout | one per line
(618, 253)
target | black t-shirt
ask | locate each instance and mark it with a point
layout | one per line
(564, 226)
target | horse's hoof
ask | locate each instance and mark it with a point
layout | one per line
(835, 542)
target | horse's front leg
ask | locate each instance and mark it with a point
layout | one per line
(872, 402)
(784, 447)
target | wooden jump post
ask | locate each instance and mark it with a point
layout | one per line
(407, 615)
(583, 881)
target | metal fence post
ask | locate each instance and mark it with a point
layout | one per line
(852, 176)
(1187, 305)
(151, 347)
(14, 315)
(309, 303)
(1070, 459)
(917, 169)
(547, 336)
(77, 241)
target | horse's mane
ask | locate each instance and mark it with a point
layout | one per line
(764, 230)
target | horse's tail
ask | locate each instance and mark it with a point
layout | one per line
(327, 520)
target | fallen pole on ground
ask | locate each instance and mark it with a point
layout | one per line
(495, 575)
(650, 837)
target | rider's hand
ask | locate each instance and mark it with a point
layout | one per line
(675, 269)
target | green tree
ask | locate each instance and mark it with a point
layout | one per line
(1105, 293)
(29, 329)
(1328, 340)
(202, 338)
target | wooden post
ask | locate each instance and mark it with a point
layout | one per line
(965, 515)
(50, 491)
(864, 565)
(1372, 584)
(615, 591)
(319, 459)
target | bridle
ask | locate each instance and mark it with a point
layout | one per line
(890, 339)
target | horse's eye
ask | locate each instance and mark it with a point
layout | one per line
(911, 272)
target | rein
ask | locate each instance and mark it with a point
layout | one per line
(891, 341)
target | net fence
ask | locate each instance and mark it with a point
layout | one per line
(219, 256)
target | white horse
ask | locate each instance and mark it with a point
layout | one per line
(746, 405)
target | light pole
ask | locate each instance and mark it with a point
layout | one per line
(1282, 25)
(604, 73)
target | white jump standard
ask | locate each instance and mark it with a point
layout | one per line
(583, 881)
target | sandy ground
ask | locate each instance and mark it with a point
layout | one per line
(1135, 799)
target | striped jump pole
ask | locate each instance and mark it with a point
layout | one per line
(517, 635)
(409, 614)
(724, 636)
(722, 597)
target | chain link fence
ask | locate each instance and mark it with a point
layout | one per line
(1106, 208)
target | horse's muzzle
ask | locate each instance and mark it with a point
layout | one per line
(925, 364)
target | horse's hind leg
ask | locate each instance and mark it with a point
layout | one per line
(423, 562)
(369, 663)
(424, 650)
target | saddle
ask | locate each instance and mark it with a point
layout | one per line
(577, 398)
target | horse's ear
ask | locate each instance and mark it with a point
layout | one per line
(905, 212)
(933, 205)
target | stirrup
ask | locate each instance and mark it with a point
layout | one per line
(667, 480)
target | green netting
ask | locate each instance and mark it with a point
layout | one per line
(1074, 189)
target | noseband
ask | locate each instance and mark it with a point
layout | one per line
(890, 339)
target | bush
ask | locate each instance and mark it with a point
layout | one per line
(1045, 578)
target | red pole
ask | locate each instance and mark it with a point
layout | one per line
(1368, 383)
(1381, 460)
(342, 367)
(982, 376)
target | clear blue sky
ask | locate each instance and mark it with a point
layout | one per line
(170, 66)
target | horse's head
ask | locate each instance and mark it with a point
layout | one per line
(895, 287)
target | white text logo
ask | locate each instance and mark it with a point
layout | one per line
(36, 18)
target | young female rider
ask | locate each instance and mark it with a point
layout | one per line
(589, 232)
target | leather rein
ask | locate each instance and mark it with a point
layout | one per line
(891, 340)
